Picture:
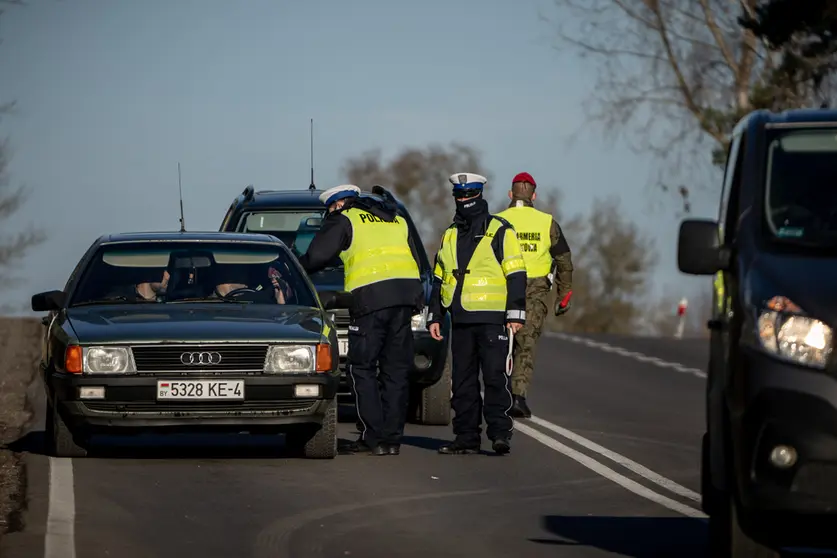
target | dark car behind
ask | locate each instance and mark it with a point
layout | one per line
(294, 216)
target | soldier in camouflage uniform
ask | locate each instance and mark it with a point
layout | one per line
(545, 263)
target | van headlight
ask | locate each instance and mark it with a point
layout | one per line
(289, 359)
(800, 339)
(419, 321)
(108, 360)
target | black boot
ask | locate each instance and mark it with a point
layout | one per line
(394, 449)
(501, 446)
(458, 448)
(360, 446)
(519, 408)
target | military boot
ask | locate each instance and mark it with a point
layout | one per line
(519, 408)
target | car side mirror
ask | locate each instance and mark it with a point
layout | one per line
(699, 250)
(335, 299)
(48, 301)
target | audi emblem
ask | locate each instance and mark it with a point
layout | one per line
(198, 359)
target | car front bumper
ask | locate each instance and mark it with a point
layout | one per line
(269, 403)
(785, 405)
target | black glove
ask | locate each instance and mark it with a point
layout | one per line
(563, 304)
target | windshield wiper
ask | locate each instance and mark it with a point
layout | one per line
(112, 300)
(218, 299)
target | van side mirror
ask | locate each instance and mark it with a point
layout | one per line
(699, 249)
(48, 301)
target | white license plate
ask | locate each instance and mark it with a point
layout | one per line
(343, 346)
(200, 389)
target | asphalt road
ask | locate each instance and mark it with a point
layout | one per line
(607, 467)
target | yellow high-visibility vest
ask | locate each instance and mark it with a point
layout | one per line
(533, 227)
(484, 284)
(379, 251)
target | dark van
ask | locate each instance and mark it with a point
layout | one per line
(769, 459)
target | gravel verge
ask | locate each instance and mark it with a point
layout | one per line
(20, 350)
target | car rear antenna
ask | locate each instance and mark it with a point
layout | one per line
(180, 189)
(311, 134)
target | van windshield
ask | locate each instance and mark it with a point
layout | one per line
(801, 193)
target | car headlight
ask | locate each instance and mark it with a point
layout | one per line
(289, 359)
(419, 321)
(108, 360)
(800, 339)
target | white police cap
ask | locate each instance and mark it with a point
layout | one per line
(467, 181)
(338, 193)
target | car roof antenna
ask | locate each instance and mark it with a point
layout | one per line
(311, 134)
(180, 189)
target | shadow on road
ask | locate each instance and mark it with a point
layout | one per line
(634, 537)
(175, 446)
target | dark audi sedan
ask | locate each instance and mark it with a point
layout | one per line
(172, 332)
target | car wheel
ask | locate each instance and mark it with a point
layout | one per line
(322, 444)
(743, 545)
(434, 402)
(708, 492)
(727, 536)
(61, 441)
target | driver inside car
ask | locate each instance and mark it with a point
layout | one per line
(258, 289)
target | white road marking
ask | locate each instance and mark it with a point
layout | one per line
(59, 541)
(677, 367)
(640, 470)
(609, 473)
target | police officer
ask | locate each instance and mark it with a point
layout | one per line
(547, 256)
(480, 278)
(382, 273)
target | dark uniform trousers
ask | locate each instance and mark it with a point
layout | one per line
(384, 338)
(476, 346)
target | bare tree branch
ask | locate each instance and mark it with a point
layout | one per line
(673, 72)
(13, 245)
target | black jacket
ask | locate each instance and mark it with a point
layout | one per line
(468, 235)
(335, 236)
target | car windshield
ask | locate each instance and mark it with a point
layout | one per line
(171, 272)
(801, 193)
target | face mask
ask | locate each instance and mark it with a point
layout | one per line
(471, 208)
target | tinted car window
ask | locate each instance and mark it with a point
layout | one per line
(167, 272)
(801, 197)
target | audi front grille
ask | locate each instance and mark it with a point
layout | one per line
(200, 358)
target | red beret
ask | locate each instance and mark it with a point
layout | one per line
(524, 177)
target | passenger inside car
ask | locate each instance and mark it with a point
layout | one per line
(150, 290)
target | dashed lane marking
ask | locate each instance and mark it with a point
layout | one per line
(640, 357)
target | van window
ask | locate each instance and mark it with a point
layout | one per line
(800, 193)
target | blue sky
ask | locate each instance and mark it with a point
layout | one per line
(113, 93)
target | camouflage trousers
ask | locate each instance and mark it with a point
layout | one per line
(525, 340)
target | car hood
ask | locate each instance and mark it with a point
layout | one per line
(807, 281)
(188, 322)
